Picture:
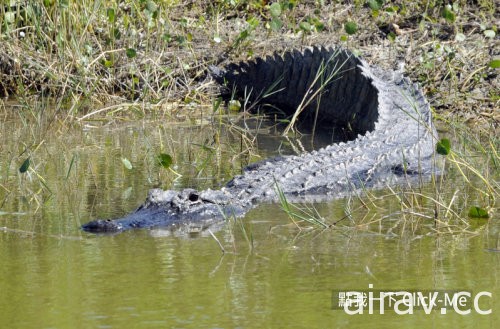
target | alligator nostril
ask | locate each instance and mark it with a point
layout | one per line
(193, 197)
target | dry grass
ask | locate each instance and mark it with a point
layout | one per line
(74, 50)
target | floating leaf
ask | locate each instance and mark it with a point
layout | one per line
(127, 163)
(478, 212)
(131, 53)
(351, 28)
(275, 9)
(495, 64)
(24, 167)
(443, 147)
(165, 160)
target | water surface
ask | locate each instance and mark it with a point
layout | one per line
(271, 274)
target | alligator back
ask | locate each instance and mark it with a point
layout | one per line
(322, 83)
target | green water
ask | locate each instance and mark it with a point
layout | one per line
(271, 275)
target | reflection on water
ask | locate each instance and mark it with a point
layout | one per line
(271, 274)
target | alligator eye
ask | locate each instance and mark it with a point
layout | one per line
(193, 197)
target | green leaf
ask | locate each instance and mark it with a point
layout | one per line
(489, 33)
(276, 24)
(443, 147)
(110, 12)
(319, 25)
(108, 64)
(275, 9)
(64, 4)
(478, 212)
(460, 37)
(216, 104)
(234, 105)
(375, 4)
(351, 28)
(152, 8)
(24, 167)
(117, 34)
(391, 36)
(243, 35)
(165, 160)
(253, 22)
(495, 64)
(305, 26)
(131, 53)
(447, 14)
(167, 37)
(127, 163)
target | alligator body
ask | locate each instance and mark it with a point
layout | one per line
(384, 120)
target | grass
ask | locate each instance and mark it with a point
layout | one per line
(324, 76)
(91, 63)
(155, 50)
(469, 180)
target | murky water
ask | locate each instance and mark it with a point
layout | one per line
(272, 274)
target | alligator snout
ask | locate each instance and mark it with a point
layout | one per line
(102, 226)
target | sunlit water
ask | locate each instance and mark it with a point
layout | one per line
(271, 274)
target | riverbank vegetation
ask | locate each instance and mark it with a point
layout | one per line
(108, 60)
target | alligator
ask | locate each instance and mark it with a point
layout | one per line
(388, 138)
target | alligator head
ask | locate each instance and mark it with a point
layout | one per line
(173, 209)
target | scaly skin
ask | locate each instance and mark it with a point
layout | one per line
(384, 119)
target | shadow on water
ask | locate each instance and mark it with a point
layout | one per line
(272, 274)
